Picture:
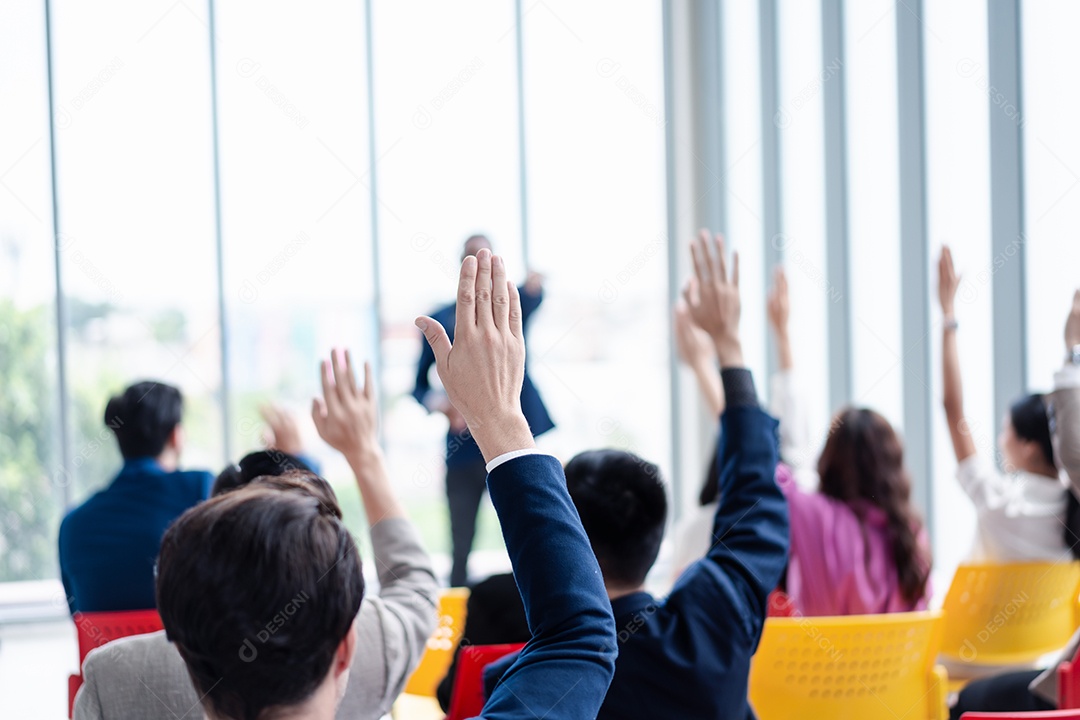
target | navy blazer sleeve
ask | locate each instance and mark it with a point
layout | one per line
(728, 590)
(565, 669)
(529, 303)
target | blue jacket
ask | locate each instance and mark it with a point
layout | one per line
(461, 449)
(109, 544)
(564, 670)
(688, 656)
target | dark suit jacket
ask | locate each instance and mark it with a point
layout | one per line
(461, 449)
(109, 544)
(688, 656)
(565, 669)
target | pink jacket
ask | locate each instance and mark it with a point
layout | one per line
(833, 568)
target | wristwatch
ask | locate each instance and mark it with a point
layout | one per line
(1074, 355)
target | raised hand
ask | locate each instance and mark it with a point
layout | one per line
(483, 369)
(778, 303)
(948, 282)
(693, 344)
(282, 431)
(713, 297)
(346, 416)
(1072, 324)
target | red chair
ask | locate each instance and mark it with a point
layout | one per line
(781, 604)
(467, 700)
(1069, 683)
(96, 629)
(1047, 715)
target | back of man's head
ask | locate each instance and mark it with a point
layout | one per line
(143, 418)
(271, 462)
(258, 587)
(622, 505)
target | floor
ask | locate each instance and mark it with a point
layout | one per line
(35, 661)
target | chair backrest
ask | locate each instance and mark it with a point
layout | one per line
(97, 628)
(1041, 715)
(1010, 613)
(858, 666)
(467, 700)
(780, 605)
(439, 652)
(1068, 677)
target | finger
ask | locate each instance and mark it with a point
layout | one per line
(484, 317)
(436, 337)
(514, 318)
(1076, 301)
(369, 381)
(699, 255)
(690, 294)
(721, 262)
(350, 375)
(466, 297)
(500, 295)
(735, 269)
(328, 390)
(318, 415)
(341, 382)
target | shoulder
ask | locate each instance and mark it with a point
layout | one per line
(152, 654)
(194, 481)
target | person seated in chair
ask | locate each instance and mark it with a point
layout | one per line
(109, 543)
(688, 655)
(137, 677)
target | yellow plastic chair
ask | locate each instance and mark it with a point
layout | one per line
(1009, 614)
(857, 667)
(439, 653)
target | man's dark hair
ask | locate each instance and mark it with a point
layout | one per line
(143, 417)
(258, 587)
(623, 506)
(256, 464)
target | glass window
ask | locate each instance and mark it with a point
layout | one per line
(873, 206)
(32, 485)
(958, 205)
(296, 223)
(801, 121)
(1051, 114)
(447, 158)
(136, 210)
(596, 133)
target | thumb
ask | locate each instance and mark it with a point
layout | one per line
(436, 336)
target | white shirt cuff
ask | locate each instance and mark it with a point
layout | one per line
(1067, 377)
(508, 456)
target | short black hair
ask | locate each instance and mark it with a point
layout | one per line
(1031, 422)
(143, 417)
(256, 464)
(257, 588)
(623, 507)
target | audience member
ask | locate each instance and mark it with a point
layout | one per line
(1033, 690)
(465, 471)
(109, 543)
(145, 675)
(493, 615)
(688, 656)
(1021, 514)
(565, 669)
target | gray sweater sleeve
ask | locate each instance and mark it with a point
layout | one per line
(393, 626)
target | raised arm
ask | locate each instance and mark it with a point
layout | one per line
(750, 531)
(953, 399)
(401, 618)
(696, 351)
(565, 670)
(784, 400)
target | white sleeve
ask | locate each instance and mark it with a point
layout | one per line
(1067, 377)
(980, 481)
(508, 456)
(785, 406)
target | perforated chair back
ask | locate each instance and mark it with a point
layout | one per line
(1009, 614)
(439, 652)
(852, 667)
